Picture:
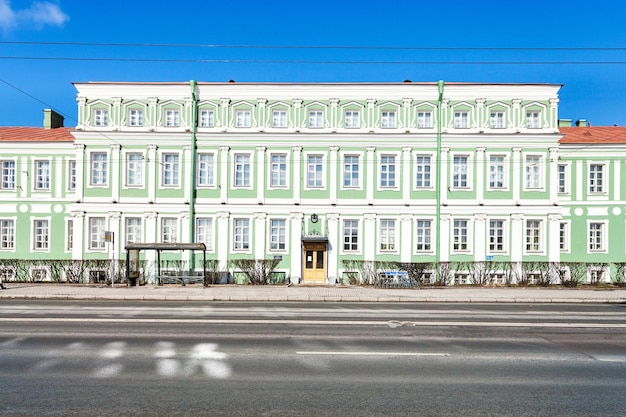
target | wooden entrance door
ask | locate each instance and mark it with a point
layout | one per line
(314, 263)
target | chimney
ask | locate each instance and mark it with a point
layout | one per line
(52, 119)
(581, 123)
(565, 122)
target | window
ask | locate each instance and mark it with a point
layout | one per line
(459, 235)
(533, 171)
(278, 234)
(135, 117)
(8, 175)
(207, 118)
(241, 234)
(388, 119)
(100, 117)
(204, 232)
(99, 168)
(315, 171)
(562, 173)
(387, 171)
(351, 235)
(171, 169)
(596, 237)
(134, 169)
(496, 120)
(316, 119)
(279, 118)
(7, 234)
(564, 236)
(69, 236)
(71, 180)
(352, 119)
(172, 118)
(461, 120)
(387, 235)
(351, 171)
(533, 235)
(460, 171)
(42, 180)
(496, 235)
(496, 172)
(242, 170)
(422, 171)
(96, 233)
(278, 171)
(533, 120)
(424, 120)
(134, 231)
(242, 118)
(206, 169)
(423, 235)
(596, 178)
(169, 230)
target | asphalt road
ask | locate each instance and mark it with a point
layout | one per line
(306, 359)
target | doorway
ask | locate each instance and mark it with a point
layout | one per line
(314, 262)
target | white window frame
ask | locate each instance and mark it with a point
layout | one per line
(388, 177)
(279, 170)
(316, 119)
(172, 117)
(348, 180)
(243, 118)
(134, 169)
(278, 235)
(458, 170)
(353, 119)
(8, 174)
(98, 169)
(95, 232)
(387, 236)
(497, 119)
(71, 175)
(497, 171)
(597, 236)
(564, 236)
(533, 236)
(100, 117)
(533, 119)
(314, 176)
(170, 169)
(534, 172)
(241, 234)
(169, 230)
(423, 171)
(280, 118)
(7, 235)
(205, 232)
(597, 178)
(461, 235)
(563, 176)
(205, 176)
(69, 235)
(497, 235)
(350, 236)
(242, 170)
(424, 119)
(207, 118)
(133, 229)
(388, 119)
(423, 235)
(135, 117)
(461, 119)
(43, 172)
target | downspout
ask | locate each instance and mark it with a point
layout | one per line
(192, 175)
(438, 187)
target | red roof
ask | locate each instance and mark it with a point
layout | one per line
(35, 134)
(593, 135)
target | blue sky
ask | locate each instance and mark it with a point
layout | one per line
(508, 32)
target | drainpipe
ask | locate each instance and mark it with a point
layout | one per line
(192, 176)
(438, 187)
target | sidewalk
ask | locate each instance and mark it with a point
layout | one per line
(312, 293)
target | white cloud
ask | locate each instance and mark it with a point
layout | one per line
(37, 16)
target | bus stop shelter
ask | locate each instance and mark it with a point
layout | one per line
(132, 261)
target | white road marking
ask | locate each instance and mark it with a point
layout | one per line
(335, 353)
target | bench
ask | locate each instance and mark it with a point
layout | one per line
(181, 278)
(395, 279)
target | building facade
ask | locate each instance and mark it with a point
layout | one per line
(316, 176)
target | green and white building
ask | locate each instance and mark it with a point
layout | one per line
(316, 175)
